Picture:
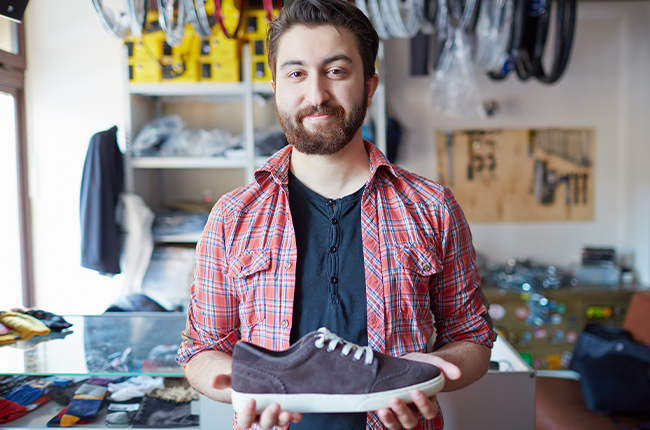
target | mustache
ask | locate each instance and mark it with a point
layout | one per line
(328, 109)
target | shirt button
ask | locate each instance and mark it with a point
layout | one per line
(334, 221)
(329, 202)
(426, 267)
(334, 279)
(287, 265)
(332, 249)
(285, 323)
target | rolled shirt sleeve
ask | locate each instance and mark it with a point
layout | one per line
(459, 307)
(212, 314)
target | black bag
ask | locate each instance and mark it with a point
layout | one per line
(614, 370)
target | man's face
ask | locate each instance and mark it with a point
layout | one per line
(319, 91)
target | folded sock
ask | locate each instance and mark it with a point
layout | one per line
(85, 405)
(53, 321)
(56, 421)
(160, 413)
(10, 411)
(121, 414)
(22, 327)
(134, 387)
(176, 390)
(25, 394)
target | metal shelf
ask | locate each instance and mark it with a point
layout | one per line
(190, 89)
(188, 163)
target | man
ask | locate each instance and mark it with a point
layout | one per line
(331, 234)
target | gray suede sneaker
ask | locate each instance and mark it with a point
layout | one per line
(323, 373)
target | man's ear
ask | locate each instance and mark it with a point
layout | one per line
(273, 86)
(371, 87)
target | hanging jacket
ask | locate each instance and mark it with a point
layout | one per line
(101, 185)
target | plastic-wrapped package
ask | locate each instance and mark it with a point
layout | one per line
(454, 88)
(198, 143)
(154, 135)
(167, 137)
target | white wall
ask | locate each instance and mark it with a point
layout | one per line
(74, 89)
(605, 87)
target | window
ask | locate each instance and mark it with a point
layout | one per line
(15, 252)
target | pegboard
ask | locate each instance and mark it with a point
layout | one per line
(519, 175)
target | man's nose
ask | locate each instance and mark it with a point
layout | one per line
(318, 91)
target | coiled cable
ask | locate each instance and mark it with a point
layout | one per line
(136, 10)
(173, 32)
(535, 31)
(218, 14)
(564, 31)
(115, 26)
(193, 18)
(377, 20)
(460, 16)
(514, 41)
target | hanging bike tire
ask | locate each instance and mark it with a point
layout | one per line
(565, 19)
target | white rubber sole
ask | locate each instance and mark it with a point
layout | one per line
(335, 403)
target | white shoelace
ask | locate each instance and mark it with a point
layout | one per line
(324, 335)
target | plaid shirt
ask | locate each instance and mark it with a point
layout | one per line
(419, 262)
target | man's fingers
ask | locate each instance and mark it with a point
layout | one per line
(450, 370)
(287, 417)
(269, 416)
(221, 382)
(405, 415)
(247, 416)
(389, 419)
(428, 406)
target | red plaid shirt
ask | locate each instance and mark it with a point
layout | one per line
(419, 262)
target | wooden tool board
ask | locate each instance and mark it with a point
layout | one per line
(519, 175)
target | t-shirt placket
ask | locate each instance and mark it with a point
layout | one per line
(334, 208)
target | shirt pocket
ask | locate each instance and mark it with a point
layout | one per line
(249, 269)
(248, 263)
(418, 262)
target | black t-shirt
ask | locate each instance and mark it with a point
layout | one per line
(330, 279)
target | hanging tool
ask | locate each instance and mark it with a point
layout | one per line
(531, 142)
(586, 161)
(585, 177)
(473, 143)
(450, 157)
(567, 181)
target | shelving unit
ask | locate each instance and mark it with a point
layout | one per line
(160, 180)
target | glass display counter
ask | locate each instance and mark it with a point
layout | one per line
(114, 344)
(118, 344)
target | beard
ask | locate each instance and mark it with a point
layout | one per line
(325, 139)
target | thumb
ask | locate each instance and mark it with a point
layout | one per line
(221, 382)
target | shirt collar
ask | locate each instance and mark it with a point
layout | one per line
(277, 166)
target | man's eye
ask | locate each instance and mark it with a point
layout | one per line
(336, 72)
(295, 74)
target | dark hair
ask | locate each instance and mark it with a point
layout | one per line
(314, 13)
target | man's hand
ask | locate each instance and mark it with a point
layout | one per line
(402, 415)
(270, 416)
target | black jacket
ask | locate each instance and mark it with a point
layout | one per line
(101, 185)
